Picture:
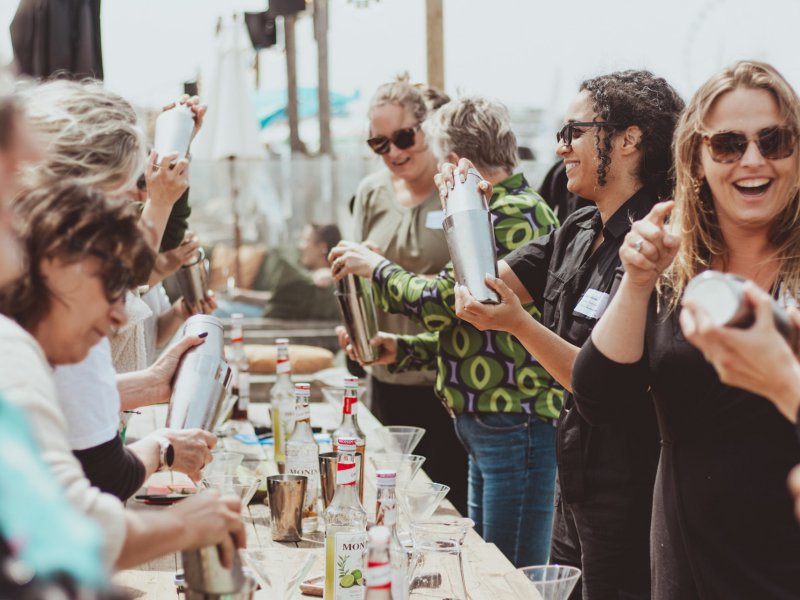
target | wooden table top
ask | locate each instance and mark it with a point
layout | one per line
(484, 564)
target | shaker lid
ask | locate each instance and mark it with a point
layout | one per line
(466, 195)
(718, 294)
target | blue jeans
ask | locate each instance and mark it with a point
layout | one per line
(512, 474)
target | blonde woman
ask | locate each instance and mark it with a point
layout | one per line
(722, 516)
(398, 210)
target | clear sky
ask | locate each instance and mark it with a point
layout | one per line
(527, 53)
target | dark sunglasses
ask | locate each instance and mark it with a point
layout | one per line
(571, 131)
(773, 142)
(402, 139)
(115, 277)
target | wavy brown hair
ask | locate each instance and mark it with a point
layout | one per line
(694, 217)
(71, 221)
(417, 98)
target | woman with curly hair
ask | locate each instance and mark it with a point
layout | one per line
(616, 149)
(722, 516)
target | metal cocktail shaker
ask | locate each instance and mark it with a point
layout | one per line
(470, 237)
(174, 131)
(202, 378)
(722, 297)
(205, 574)
(357, 306)
(192, 280)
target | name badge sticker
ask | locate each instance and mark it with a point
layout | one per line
(434, 219)
(593, 304)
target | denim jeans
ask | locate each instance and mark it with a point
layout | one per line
(512, 473)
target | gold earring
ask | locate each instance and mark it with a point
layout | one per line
(697, 185)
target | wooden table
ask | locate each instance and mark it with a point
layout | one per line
(484, 564)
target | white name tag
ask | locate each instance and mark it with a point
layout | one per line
(592, 304)
(434, 219)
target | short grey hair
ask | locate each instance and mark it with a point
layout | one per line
(476, 128)
(89, 135)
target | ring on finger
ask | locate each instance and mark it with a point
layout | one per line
(637, 245)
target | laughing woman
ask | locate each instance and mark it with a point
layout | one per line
(722, 516)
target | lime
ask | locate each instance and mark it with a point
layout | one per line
(347, 581)
(356, 574)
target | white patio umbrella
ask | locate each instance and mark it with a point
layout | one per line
(231, 129)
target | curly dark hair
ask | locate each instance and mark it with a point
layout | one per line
(71, 221)
(639, 98)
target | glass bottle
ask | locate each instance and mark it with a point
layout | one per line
(386, 515)
(379, 580)
(241, 369)
(345, 531)
(302, 456)
(349, 427)
(282, 401)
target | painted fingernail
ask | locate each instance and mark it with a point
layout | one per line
(202, 335)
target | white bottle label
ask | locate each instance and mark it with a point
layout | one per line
(308, 466)
(399, 585)
(346, 474)
(283, 367)
(379, 575)
(302, 411)
(349, 566)
(244, 383)
(389, 516)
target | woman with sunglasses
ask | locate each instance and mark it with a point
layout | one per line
(83, 252)
(398, 211)
(722, 516)
(616, 149)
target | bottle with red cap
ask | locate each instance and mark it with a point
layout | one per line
(240, 366)
(349, 428)
(302, 456)
(379, 576)
(345, 531)
(282, 400)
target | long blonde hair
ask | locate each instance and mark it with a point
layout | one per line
(694, 214)
(89, 135)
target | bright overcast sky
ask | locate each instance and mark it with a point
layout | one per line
(524, 52)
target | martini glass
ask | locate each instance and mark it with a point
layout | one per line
(244, 487)
(399, 438)
(279, 569)
(418, 501)
(405, 465)
(546, 582)
(223, 463)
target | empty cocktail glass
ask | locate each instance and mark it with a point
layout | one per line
(405, 465)
(280, 569)
(399, 438)
(420, 499)
(244, 486)
(546, 582)
(223, 463)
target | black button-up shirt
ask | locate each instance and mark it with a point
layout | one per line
(558, 270)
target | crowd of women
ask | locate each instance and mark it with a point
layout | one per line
(589, 418)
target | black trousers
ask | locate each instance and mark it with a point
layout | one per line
(418, 405)
(608, 538)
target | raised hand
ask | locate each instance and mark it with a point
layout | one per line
(649, 247)
(445, 179)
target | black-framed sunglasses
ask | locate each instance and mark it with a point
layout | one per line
(773, 143)
(116, 279)
(572, 130)
(402, 139)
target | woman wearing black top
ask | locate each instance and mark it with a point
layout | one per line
(616, 149)
(722, 516)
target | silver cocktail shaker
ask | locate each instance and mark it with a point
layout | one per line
(174, 131)
(470, 237)
(722, 297)
(202, 378)
(192, 280)
(204, 573)
(357, 306)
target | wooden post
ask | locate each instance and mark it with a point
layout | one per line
(321, 35)
(434, 23)
(295, 143)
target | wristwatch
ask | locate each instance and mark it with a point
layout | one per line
(166, 454)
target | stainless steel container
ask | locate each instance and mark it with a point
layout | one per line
(357, 306)
(204, 574)
(470, 237)
(202, 378)
(327, 475)
(286, 494)
(174, 131)
(721, 296)
(192, 280)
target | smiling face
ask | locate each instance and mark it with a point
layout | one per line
(408, 164)
(580, 157)
(750, 192)
(80, 314)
